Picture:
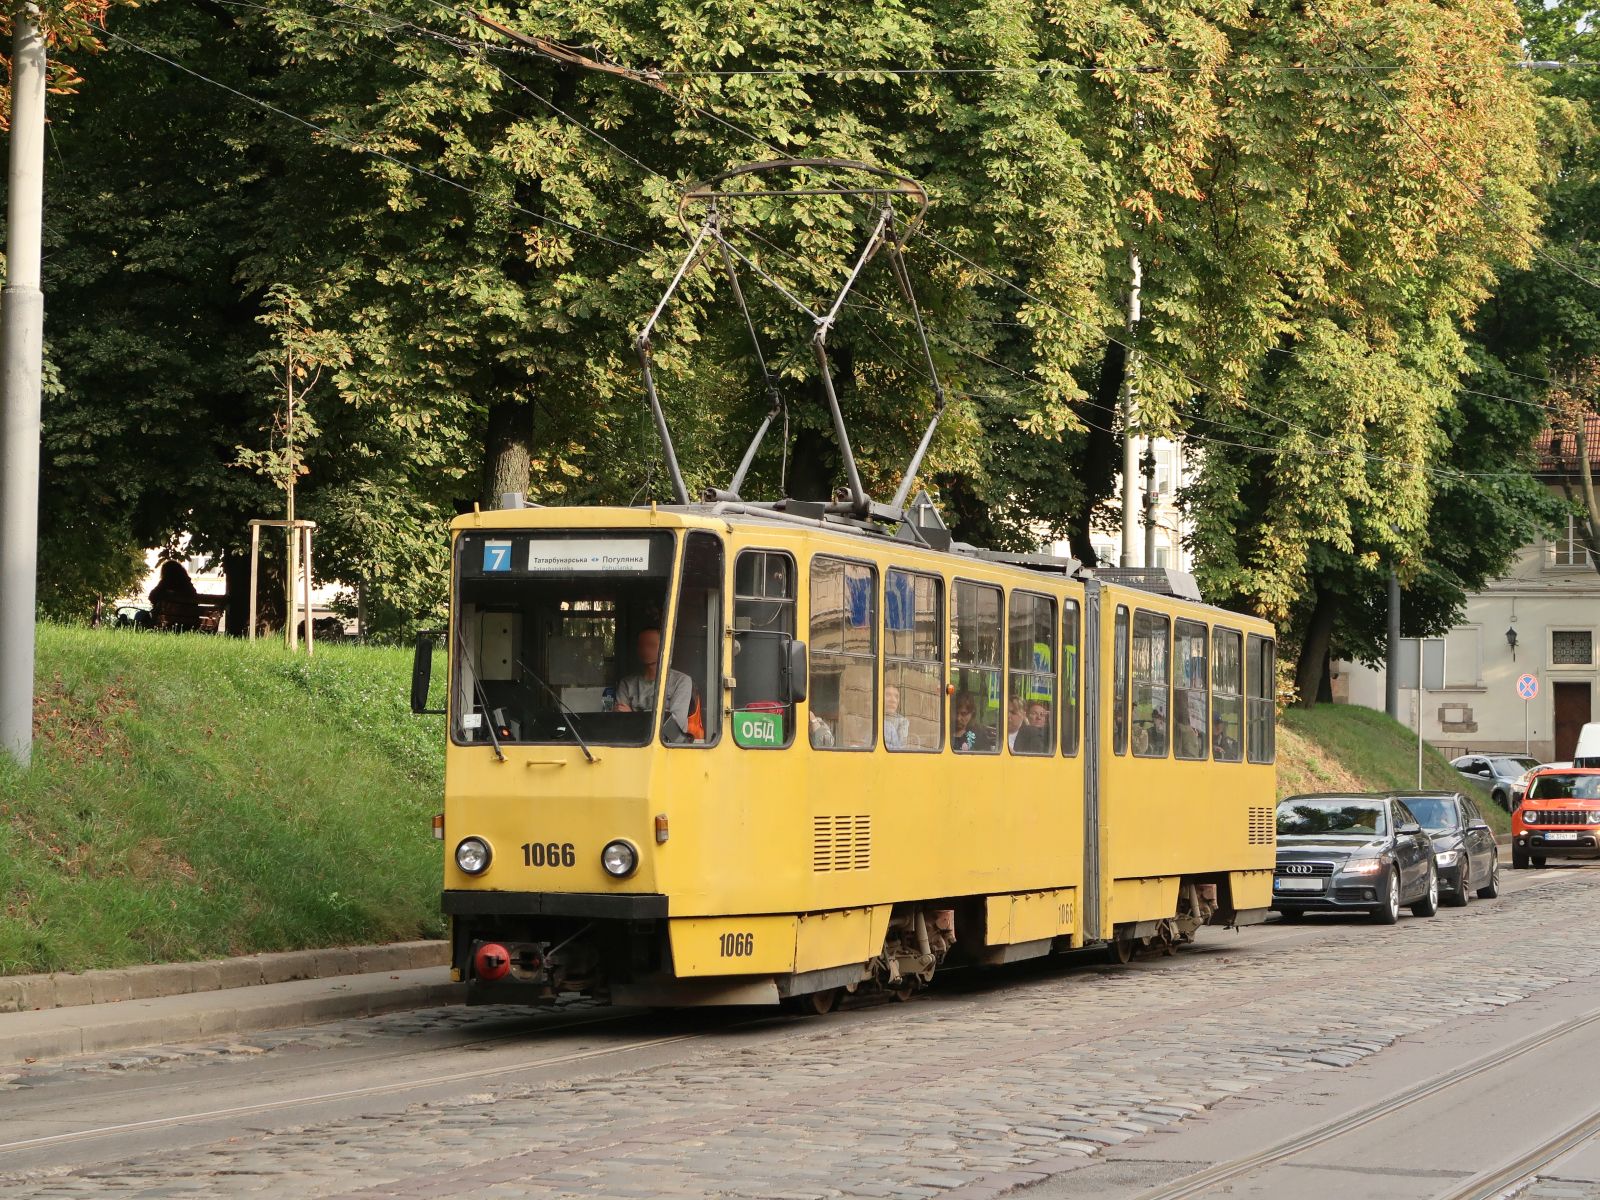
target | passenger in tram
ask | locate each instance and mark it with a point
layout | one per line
(896, 728)
(1034, 737)
(966, 735)
(821, 732)
(637, 693)
(1016, 720)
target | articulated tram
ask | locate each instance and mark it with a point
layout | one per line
(728, 754)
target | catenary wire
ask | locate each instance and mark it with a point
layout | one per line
(543, 218)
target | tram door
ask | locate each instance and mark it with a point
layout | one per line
(1089, 657)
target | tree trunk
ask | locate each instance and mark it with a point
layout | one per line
(1312, 665)
(507, 451)
(1591, 507)
(1097, 462)
(236, 576)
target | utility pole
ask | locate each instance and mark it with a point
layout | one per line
(291, 534)
(1130, 391)
(1149, 502)
(1391, 661)
(21, 348)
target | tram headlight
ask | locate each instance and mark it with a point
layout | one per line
(473, 855)
(619, 859)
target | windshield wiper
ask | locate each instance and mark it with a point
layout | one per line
(572, 717)
(488, 716)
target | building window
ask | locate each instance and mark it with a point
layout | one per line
(1568, 549)
(1571, 648)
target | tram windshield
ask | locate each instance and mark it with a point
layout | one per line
(560, 637)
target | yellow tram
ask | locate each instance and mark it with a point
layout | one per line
(857, 756)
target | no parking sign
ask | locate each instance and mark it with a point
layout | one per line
(1528, 686)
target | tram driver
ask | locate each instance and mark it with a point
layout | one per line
(637, 693)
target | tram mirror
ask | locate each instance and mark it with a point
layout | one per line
(422, 672)
(797, 671)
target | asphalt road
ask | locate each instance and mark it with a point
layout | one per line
(1332, 1058)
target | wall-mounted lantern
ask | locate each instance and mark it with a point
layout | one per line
(1511, 640)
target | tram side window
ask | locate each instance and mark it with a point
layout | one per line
(844, 655)
(1031, 678)
(1069, 677)
(1151, 682)
(1190, 720)
(1227, 702)
(696, 647)
(1260, 673)
(913, 661)
(763, 627)
(975, 665)
(1119, 683)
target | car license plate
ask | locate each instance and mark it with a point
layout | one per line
(1290, 884)
(1560, 837)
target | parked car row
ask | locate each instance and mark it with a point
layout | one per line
(1380, 852)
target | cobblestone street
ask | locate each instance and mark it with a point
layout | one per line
(985, 1085)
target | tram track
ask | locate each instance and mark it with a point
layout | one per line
(1489, 1184)
(371, 1091)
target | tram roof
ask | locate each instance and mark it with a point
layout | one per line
(815, 517)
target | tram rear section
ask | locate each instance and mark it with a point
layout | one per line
(854, 759)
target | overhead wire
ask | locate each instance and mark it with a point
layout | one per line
(351, 144)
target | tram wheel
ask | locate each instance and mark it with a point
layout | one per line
(813, 1004)
(906, 988)
(1120, 950)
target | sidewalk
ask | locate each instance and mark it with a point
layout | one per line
(217, 1011)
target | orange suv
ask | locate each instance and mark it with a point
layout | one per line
(1559, 817)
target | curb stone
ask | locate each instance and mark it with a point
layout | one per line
(31, 993)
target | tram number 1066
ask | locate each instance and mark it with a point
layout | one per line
(737, 945)
(548, 854)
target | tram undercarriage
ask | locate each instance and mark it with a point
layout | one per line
(535, 959)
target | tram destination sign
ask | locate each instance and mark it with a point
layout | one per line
(599, 554)
(758, 729)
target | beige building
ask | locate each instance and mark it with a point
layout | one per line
(1542, 619)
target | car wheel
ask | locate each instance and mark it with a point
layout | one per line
(1502, 798)
(1291, 916)
(1519, 859)
(1537, 860)
(1390, 912)
(1491, 889)
(1458, 896)
(1429, 904)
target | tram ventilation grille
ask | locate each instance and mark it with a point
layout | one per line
(1260, 827)
(841, 843)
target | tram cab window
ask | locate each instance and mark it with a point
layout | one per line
(1260, 674)
(548, 625)
(1031, 679)
(763, 627)
(1227, 701)
(1070, 685)
(844, 655)
(913, 661)
(1119, 683)
(975, 638)
(696, 647)
(1151, 699)
(1191, 721)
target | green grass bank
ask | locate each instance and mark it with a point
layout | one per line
(196, 797)
(1337, 747)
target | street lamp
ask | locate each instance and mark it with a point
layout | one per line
(1511, 640)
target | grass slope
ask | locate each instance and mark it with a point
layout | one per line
(1338, 747)
(195, 796)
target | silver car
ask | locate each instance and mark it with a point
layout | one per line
(1498, 772)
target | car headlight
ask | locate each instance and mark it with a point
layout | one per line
(1530, 816)
(1362, 866)
(619, 859)
(473, 855)
(1594, 818)
(1447, 858)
